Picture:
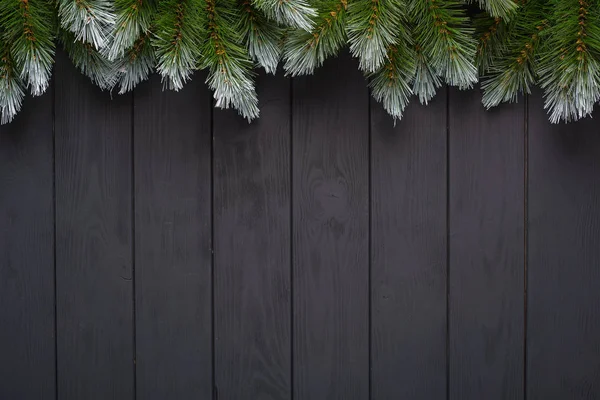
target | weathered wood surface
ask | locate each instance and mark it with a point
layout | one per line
(152, 247)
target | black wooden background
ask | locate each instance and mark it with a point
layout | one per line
(154, 248)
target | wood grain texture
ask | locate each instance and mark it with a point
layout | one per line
(486, 270)
(563, 326)
(93, 240)
(252, 248)
(408, 256)
(172, 139)
(27, 254)
(330, 194)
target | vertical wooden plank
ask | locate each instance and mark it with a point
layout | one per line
(408, 256)
(563, 312)
(27, 356)
(330, 233)
(252, 248)
(486, 270)
(172, 174)
(93, 240)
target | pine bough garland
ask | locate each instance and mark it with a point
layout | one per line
(405, 48)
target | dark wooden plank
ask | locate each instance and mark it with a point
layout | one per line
(330, 247)
(252, 248)
(408, 256)
(486, 269)
(172, 139)
(93, 240)
(27, 356)
(563, 313)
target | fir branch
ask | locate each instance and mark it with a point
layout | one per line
(178, 39)
(305, 51)
(91, 21)
(89, 61)
(404, 46)
(491, 40)
(511, 76)
(447, 39)
(570, 64)
(133, 20)
(137, 63)
(29, 26)
(426, 81)
(230, 67)
(292, 13)
(263, 37)
(11, 86)
(513, 70)
(374, 26)
(504, 9)
(391, 84)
